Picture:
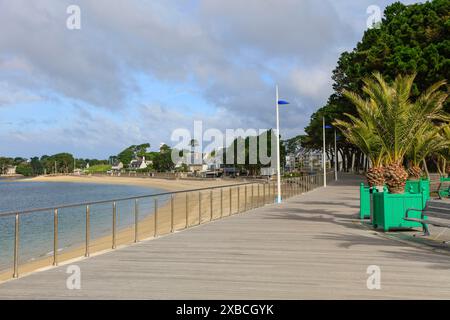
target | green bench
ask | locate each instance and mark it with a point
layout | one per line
(436, 213)
(444, 187)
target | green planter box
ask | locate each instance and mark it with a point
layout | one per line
(389, 209)
(364, 201)
(417, 186)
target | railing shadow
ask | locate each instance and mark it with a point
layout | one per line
(436, 260)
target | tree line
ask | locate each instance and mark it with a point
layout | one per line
(410, 40)
(57, 163)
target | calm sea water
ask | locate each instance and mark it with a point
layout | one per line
(36, 229)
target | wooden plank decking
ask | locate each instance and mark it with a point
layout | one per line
(310, 247)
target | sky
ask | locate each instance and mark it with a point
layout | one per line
(137, 70)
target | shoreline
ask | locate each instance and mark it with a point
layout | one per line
(168, 185)
(125, 236)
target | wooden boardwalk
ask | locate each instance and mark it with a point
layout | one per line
(310, 247)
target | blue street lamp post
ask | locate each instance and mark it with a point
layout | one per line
(278, 103)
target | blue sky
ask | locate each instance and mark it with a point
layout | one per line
(137, 70)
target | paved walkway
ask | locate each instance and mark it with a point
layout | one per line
(310, 247)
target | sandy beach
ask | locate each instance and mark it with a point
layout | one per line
(189, 209)
(166, 184)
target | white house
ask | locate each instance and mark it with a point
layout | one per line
(10, 170)
(139, 163)
(117, 166)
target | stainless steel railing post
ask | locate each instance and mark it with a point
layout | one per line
(199, 207)
(136, 221)
(221, 202)
(16, 247)
(231, 197)
(290, 187)
(245, 195)
(287, 187)
(211, 205)
(259, 196)
(253, 199)
(238, 199)
(55, 237)
(187, 210)
(293, 186)
(155, 218)
(88, 230)
(171, 213)
(272, 199)
(114, 225)
(289, 181)
(264, 195)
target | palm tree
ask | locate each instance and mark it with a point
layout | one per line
(444, 153)
(397, 120)
(360, 132)
(431, 140)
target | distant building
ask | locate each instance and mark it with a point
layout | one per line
(139, 163)
(118, 166)
(311, 160)
(197, 168)
(196, 164)
(10, 170)
(268, 172)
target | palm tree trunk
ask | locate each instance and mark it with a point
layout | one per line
(353, 162)
(425, 167)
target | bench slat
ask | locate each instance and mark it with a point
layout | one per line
(437, 211)
(439, 204)
(439, 214)
(430, 221)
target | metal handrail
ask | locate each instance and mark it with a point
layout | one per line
(11, 213)
(292, 188)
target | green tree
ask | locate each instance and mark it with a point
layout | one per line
(24, 169)
(162, 161)
(58, 163)
(36, 166)
(410, 39)
(242, 158)
(128, 154)
(5, 163)
(19, 160)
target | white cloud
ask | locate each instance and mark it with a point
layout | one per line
(223, 47)
(315, 83)
(11, 95)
